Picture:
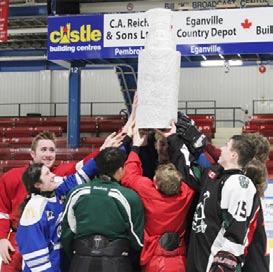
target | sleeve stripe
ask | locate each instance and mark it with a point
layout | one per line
(185, 151)
(57, 246)
(41, 268)
(79, 165)
(38, 261)
(69, 206)
(83, 175)
(35, 254)
(4, 215)
(78, 178)
(120, 197)
(59, 179)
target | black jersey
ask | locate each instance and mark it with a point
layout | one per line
(221, 218)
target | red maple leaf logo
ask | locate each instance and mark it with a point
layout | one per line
(246, 24)
(212, 174)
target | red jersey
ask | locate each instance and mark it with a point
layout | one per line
(162, 213)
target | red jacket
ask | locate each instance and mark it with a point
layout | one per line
(13, 192)
(162, 213)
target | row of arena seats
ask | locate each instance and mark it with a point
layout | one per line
(28, 131)
(16, 135)
(87, 123)
(97, 129)
(263, 124)
(201, 119)
(60, 142)
(6, 165)
(30, 126)
(62, 154)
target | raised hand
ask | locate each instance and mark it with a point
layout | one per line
(185, 127)
(137, 139)
(113, 140)
(131, 119)
(167, 132)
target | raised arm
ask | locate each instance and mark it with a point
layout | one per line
(66, 169)
(63, 185)
(181, 157)
(133, 174)
(83, 175)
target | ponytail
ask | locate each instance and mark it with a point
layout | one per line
(257, 172)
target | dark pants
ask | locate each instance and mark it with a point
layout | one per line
(100, 264)
(97, 254)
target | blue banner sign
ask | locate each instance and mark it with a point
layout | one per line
(206, 32)
(75, 37)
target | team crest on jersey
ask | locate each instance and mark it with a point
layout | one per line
(49, 215)
(62, 199)
(212, 174)
(244, 181)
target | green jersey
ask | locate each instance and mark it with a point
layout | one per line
(105, 208)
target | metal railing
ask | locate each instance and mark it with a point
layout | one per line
(192, 106)
(214, 110)
(228, 111)
(52, 107)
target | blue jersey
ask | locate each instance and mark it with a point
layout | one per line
(38, 234)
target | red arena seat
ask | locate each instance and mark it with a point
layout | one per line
(92, 141)
(262, 116)
(90, 127)
(72, 154)
(11, 132)
(6, 165)
(5, 153)
(62, 154)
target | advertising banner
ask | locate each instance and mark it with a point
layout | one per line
(207, 32)
(4, 8)
(212, 4)
(75, 37)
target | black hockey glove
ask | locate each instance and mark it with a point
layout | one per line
(224, 262)
(185, 128)
(184, 118)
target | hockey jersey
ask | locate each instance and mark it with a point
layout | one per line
(38, 234)
(221, 218)
(13, 192)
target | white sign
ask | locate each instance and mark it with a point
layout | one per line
(199, 32)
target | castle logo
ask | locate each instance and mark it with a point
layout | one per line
(67, 35)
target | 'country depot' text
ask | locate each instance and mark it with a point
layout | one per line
(213, 32)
